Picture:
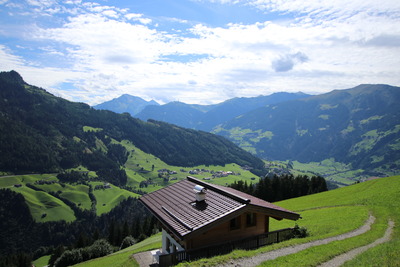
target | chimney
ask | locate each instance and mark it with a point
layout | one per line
(200, 193)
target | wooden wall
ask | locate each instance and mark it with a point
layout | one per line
(222, 233)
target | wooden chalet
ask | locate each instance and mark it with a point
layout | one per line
(196, 215)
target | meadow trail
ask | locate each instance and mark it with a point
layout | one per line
(341, 259)
(271, 255)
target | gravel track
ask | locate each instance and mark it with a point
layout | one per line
(339, 260)
(270, 255)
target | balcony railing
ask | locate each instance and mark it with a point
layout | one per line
(211, 251)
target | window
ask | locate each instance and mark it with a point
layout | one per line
(235, 223)
(251, 219)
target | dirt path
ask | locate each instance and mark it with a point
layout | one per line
(270, 255)
(339, 260)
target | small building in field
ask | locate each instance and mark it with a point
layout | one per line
(195, 215)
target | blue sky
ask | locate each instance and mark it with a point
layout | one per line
(199, 51)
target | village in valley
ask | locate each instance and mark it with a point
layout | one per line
(166, 176)
(166, 173)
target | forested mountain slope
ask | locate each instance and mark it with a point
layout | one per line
(359, 126)
(44, 133)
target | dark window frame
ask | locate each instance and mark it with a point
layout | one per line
(234, 224)
(251, 219)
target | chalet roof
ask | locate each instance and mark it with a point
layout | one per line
(176, 207)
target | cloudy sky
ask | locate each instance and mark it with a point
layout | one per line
(199, 51)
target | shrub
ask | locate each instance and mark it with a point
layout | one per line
(99, 248)
(69, 257)
(127, 242)
(299, 232)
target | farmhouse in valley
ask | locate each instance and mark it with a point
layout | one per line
(196, 215)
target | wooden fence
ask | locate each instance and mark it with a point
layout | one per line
(211, 251)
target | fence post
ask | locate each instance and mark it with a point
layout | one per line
(277, 237)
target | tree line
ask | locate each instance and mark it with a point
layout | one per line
(282, 187)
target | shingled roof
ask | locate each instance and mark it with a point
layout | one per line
(175, 206)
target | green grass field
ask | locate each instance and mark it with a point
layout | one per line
(10, 181)
(42, 261)
(331, 170)
(335, 212)
(45, 207)
(108, 198)
(77, 194)
(324, 215)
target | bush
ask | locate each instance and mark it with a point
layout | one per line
(127, 242)
(69, 257)
(99, 248)
(299, 232)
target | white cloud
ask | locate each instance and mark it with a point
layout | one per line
(114, 51)
(138, 17)
(8, 60)
(328, 7)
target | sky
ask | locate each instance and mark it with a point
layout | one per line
(199, 51)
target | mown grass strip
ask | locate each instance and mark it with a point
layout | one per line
(321, 223)
(386, 254)
(317, 255)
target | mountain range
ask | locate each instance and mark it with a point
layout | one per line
(359, 126)
(43, 133)
(200, 117)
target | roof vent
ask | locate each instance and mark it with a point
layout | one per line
(200, 193)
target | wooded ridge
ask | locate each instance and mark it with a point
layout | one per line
(44, 133)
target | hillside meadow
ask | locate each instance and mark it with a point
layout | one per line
(324, 215)
(139, 167)
(46, 207)
(332, 213)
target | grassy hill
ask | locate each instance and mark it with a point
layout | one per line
(324, 215)
(45, 207)
(110, 197)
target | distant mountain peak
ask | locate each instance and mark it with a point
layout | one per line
(126, 103)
